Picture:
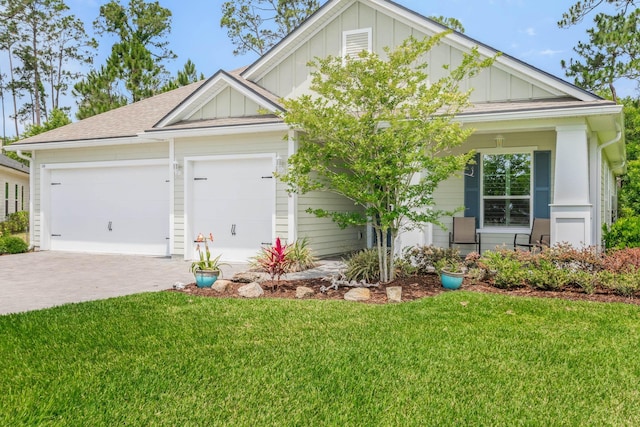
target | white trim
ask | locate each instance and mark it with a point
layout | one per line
(45, 186)
(551, 113)
(216, 131)
(292, 207)
(84, 143)
(188, 192)
(172, 197)
(208, 92)
(500, 151)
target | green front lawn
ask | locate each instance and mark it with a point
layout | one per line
(460, 358)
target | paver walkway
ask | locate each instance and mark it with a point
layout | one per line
(45, 279)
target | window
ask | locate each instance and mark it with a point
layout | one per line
(22, 198)
(16, 199)
(506, 190)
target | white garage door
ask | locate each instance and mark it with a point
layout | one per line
(121, 209)
(235, 200)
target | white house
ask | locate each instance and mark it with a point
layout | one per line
(148, 177)
(14, 187)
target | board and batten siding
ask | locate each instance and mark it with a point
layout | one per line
(324, 235)
(143, 151)
(450, 194)
(227, 103)
(290, 77)
(246, 144)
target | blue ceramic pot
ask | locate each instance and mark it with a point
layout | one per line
(451, 280)
(206, 278)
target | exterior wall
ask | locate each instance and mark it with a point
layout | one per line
(228, 103)
(12, 178)
(324, 236)
(608, 197)
(228, 145)
(291, 77)
(450, 194)
(97, 154)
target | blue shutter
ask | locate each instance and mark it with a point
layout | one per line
(541, 184)
(472, 189)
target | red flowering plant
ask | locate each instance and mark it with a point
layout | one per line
(274, 260)
(205, 262)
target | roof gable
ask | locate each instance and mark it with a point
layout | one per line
(222, 96)
(320, 35)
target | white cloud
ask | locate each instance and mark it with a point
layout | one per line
(549, 52)
(530, 31)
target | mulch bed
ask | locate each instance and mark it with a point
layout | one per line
(413, 288)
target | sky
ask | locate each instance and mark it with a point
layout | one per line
(524, 29)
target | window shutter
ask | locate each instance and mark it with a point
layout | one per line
(472, 189)
(354, 42)
(541, 184)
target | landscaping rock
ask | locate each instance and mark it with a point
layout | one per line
(358, 294)
(252, 290)
(394, 294)
(247, 277)
(221, 285)
(304, 292)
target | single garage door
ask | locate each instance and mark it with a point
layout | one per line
(122, 209)
(235, 200)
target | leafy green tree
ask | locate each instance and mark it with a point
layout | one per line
(137, 58)
(49, 44)
(98, 93)
(612, 53)
(452, 23)
(629, 194)
(582, 8)
(186, 76)
(372, 129)
(257, 25)
(57, 118)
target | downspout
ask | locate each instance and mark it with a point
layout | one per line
(31, 193)
(601, 147)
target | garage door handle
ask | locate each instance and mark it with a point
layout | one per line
(109, 226)
(233, 229)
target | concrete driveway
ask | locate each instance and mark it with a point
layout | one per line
(45, 279)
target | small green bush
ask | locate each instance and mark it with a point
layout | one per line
(626, 284)
(300, 256)
(624, 233)
(17, 222)
(504, 268)
(13, 245)
(544, 275)
(425, 258)
(363, 265)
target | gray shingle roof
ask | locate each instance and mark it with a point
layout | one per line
(122, 122)
(13, 164)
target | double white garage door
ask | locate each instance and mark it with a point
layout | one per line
(126, 209)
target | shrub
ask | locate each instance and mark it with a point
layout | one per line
(624, 233)
(300, 256)
(425, 258)
(626, 284)
(363, 265)
(584, 280)
(17, 222)
(566, 257)
(623, 260)
(274, 260)
(543, 274)
(506, 269)
(13, 245)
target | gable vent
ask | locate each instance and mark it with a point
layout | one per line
(355, 41)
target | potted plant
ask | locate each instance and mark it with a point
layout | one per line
(206, 271)
(451, 271)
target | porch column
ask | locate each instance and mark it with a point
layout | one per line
(571, 210)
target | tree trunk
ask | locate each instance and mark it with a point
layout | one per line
(13, 93)
(36, 78)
